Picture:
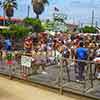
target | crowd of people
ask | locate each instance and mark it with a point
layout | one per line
(62, 45)
(80, 47)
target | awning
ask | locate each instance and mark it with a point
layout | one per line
(4, 27)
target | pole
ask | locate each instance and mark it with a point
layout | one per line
(61, 79)
(92, 18)
(96, 24)
(4, 17)
(28, 11)
(3, 13)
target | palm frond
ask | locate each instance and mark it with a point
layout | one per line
(40, 1)
(45, 1)
(9, 3)
(0, 3)
(38, 8)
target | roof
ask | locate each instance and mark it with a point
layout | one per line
(12, 19)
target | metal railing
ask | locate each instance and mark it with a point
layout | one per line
(61, 74)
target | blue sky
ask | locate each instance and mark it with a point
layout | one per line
(77, 10)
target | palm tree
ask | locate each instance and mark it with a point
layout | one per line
(39, 6)
(0, 3)
(8, 6)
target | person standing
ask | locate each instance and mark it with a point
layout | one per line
(81, 54)
(28, 44)
(97, 60)
(8, 44)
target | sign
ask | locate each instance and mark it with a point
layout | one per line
(26, 61)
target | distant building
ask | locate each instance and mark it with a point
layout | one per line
(7, 21)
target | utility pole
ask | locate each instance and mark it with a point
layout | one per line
(4, 21)
(0, 5)
(1, 2)
(28, 11)
(92, 18)
(96, 24)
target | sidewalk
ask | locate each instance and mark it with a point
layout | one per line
(13, 90)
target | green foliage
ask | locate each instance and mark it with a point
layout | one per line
(58, 23)
(35, 24)
(48, 25)
(55, 26)
(20, 30)
(5, 32)
(17, 31)
(28, 21)
(89, 29)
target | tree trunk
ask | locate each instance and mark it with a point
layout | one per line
(37, 16)
(9, 19)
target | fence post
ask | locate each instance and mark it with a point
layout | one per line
(10, 71)
(91, 73)
(61, 79)
(85, 78)
(68, 73)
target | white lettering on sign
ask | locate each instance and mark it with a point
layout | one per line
(26, 61)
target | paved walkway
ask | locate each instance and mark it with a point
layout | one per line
(13, 90)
